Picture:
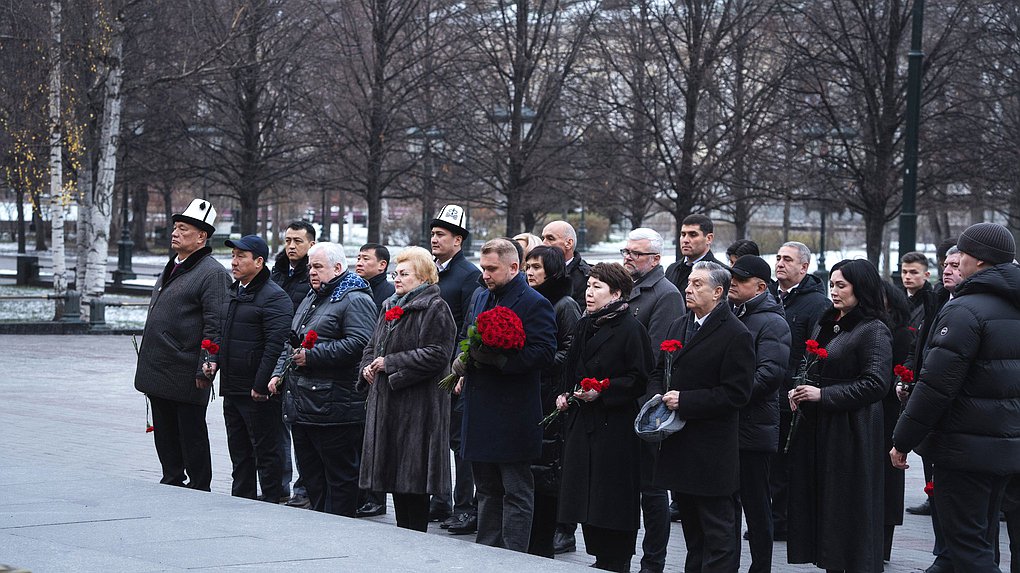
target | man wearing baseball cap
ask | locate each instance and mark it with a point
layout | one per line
(186, 307)
(962, 414)
(256, 320)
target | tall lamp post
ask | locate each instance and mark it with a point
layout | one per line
(908, 211)
(125, 246)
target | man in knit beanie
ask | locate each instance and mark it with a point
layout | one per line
(961, 415)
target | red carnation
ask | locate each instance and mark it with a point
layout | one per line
(207, 344)
(811, 344)
(394, 313)
(214, 348)
(929, 488)
(670, 345)
(822, 353)
(311, 337)
(149, 429)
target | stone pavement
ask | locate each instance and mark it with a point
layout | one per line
(79, 482)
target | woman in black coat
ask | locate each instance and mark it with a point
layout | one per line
(546, 273)
(898, 320)
(601, 483)
(836, 462)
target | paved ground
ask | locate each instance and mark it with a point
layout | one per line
(79, 481)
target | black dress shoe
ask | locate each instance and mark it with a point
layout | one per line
(922, 509)
(439, 514)
(564, 542)
(453, 520)
(466, 526)
(371, 509)
(299, 500)
(941, 565)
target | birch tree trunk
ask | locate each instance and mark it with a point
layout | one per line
(56, 162)
(109, 139)
(86, 183)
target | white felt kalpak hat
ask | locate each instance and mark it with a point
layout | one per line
(200, 214)
(453, 218)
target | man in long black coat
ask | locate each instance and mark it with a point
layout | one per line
(763, 316)
(255, 326)
(711, 380)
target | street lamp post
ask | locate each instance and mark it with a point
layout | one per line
(908, 211)
(125, 246)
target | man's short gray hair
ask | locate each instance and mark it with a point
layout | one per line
(954, 250)
(802, 250)
(645, 234)
(718, 276)
(334, 253)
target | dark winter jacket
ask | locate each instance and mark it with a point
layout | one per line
(546, 469)
(502, 406)
(804, 307)
(656, 303)
(185, 309)
(255, 328)
(916, 359)
(836, 460)
(601, 478)
(713, 373)
(577, 271)
(922, 307)
(407, 428)
(759, 419)
(678, 272)
(322, 393)
(456, 284)
(296, 286)
(382, 290)
(964, 412)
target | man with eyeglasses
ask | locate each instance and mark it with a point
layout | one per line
(656, 303)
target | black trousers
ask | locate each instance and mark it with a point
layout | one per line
(330, 457)
(754, 502)
(182, 443)
(412, 510)
(254, 433)
(968, 505)
(612, 548)
(779, 477)
(543, 526)
(710, 533)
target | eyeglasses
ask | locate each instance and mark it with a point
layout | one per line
(635, 254)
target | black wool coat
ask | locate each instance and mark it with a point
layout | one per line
(836, 460)
(456, 284)
(407, 423)
(296, 286)
(895, 479)
(577, 272)
(255, 328)
(759, 419)
(804, 307)
(601, 482)
(678, 272)
(713, 373)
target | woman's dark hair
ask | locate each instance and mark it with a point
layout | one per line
(863, 276)
(615, 276)
(897, 305)
(742, 247)
(552, 261)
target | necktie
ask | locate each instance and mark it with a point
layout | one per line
(240, 290)
(176, 266)
(290, 271)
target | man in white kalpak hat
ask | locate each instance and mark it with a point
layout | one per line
(186, 308)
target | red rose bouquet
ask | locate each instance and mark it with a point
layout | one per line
(805, 377)
(585, 385)
(495, 331)
(307, 342)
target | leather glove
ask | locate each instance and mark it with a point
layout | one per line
(459, 365)
(483, 355)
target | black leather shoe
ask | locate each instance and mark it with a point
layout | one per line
(371, 509)
(439, 514)
(299, 500)
(941, 565)
(564, 542)
(923, 509)
(466, 526)
(454, 520)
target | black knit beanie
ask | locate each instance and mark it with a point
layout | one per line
(988, 242)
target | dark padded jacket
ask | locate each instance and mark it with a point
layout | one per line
(255, 327)
(296, 285)
(964, 412)
(804, 307)
(759, 419)
(323, 393)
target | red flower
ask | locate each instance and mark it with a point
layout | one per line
(929, 488)
(501, 328)
(149, 429)
(311, 337)
(214, 348)
(588, 384)
(811, 345)
(207, 344)
(394, 313)
(670, 345)
(822, 353)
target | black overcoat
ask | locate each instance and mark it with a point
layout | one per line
(895, 479)
(836, 461)
(407, 420)
(601, 481)
(713, 373)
